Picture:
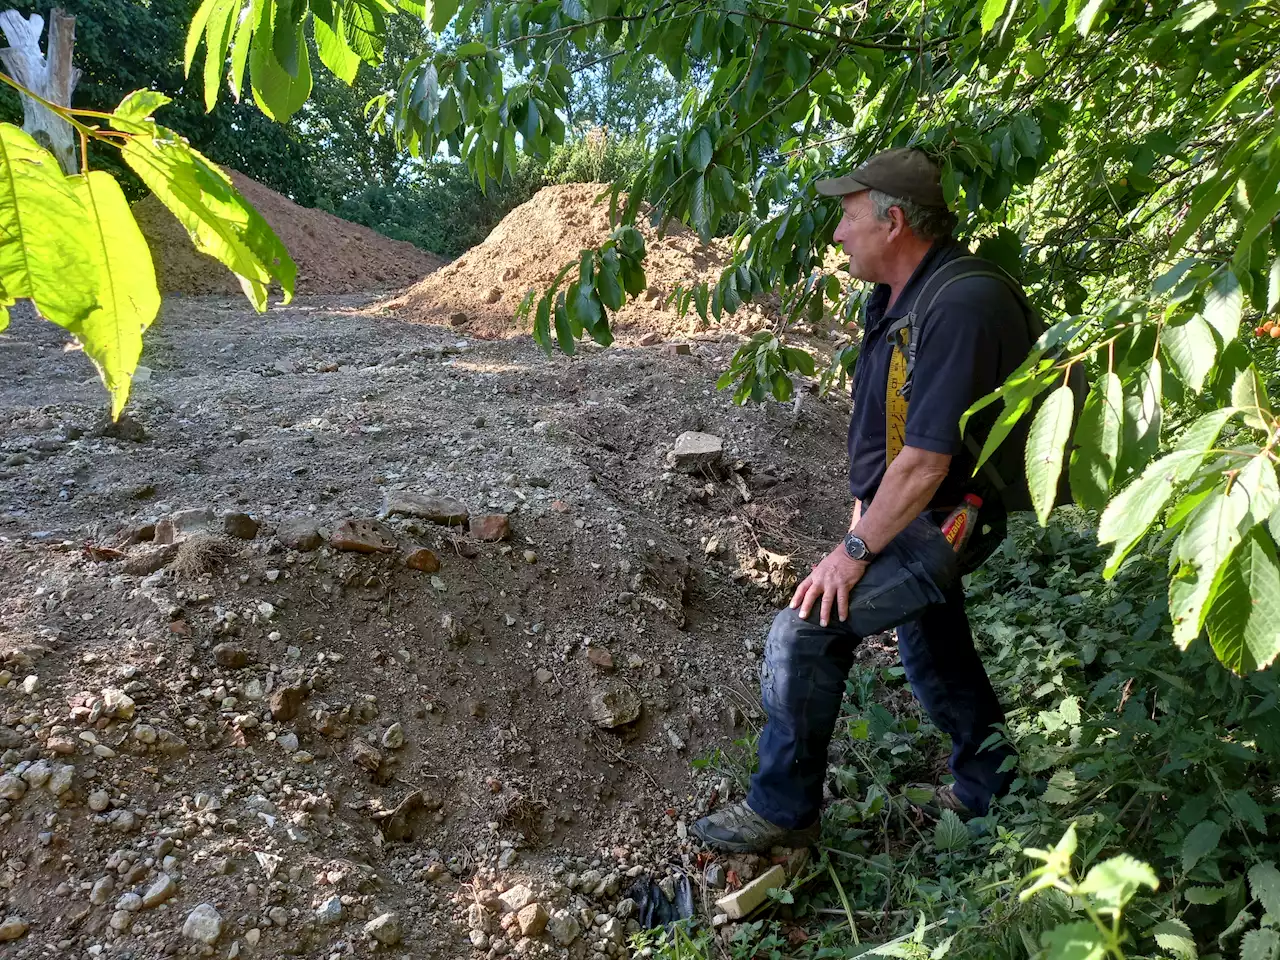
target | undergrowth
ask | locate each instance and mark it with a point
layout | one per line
(1164, 762)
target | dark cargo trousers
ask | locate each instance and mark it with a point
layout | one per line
(915, 586)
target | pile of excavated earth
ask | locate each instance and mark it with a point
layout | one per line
(333, 255)
(355, 638)
(480, 291)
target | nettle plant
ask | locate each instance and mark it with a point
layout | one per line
(1121, 158)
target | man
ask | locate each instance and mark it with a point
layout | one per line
(894, 568)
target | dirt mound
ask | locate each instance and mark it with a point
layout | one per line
(333, 255)
(528, 248)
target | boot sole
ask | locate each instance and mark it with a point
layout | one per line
(796, 839)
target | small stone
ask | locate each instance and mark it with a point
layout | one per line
(145, 733)
(491, 527)
(240, 525)
(193, 520)
(563, 927)
(61, 780)
(530, 557)
(532, 919)
(615, 707)
(64, 746)
(12, 788)
(330, 912)
(37, 775)
(130, 902)
(517, 898)
(11, 929)
(601, 657)
(365, 755)
(101, 891)
(676, 349)
(121, 920)
(231, 656)
(278, 916)
(393, 739)
(479, 939)
(543, 675)
(362, 536)
(442, 510)
(716, 876)
(385, 929)
(161, 890)
(300, 533)
(696, 451)
(31, 685)
(288, 742)
(253, 936)
(422, 559)
(286, 702)
(650, 338)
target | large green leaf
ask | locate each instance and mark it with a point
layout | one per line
(218, 31)
(331, 44)
(1143, 415)
(1250, 395)
(278, 93)
(1046, 445)
(1202, 839)
(219, 220)
(46, 243)
(991, 12)
(439, 13)
(1176, 937)
(1081, 940)
(1260, 945)
(1129, 516)
(1097, 443)
(128, 300)
(1264, 884)
(1191, 350)
(1212, 532)
(1243, 621)
(1112, 883)
(1224, 306)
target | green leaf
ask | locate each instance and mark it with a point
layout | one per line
(1081, 940)
(1224, 306)
(1097, 443)
(141, 104)
(1084, 22)
(194, 32)
(1046, 444)
(564, 326)
(475, 48)
(365, 28)
(277, 93)
(1264, 883)
(222, 21)
(1212, 531)
(1205, 896)
(1246, 607)
(1017, 401)
(1260, 945)
(698, 153)
(1176, 937)
(1202, 839)
(335, 52)
(1246, 810)
(1250, 395)
(1257, 482)
(219, 220)
(1112, 883)
(1140, 436)
(128, 300)
(1190, 349)
(42, 220)
(439, 13)
(1128, 516)
(700, 209)
(951, 834)
(992, 10)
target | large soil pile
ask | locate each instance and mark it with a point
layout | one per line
(333, 255)
(481, 290)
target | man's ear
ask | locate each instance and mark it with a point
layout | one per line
(897, 223)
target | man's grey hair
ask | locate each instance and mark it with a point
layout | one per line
(927, 223)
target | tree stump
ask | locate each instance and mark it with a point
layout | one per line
(52, 78)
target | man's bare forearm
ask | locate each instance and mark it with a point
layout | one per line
(908, 486)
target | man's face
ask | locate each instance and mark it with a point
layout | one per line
(864, 239)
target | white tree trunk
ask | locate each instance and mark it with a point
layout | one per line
(53, 78)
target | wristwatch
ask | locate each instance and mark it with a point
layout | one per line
(857, 548)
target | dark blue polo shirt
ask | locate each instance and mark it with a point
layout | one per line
(970, 341)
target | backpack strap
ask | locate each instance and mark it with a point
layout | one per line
(904, 334)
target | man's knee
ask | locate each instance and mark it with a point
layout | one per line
(784, 640)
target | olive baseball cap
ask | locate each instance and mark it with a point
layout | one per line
(903, 172)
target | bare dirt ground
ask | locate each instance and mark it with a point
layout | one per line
(241, 743)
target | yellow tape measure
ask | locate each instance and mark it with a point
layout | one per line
(895, 404)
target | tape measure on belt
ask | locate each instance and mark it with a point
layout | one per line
(896, 401)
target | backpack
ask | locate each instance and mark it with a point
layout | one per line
(1004, 472)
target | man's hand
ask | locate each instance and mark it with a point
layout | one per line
(832, 580)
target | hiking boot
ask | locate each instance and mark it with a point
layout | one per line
(739, 829)
(945, 798)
